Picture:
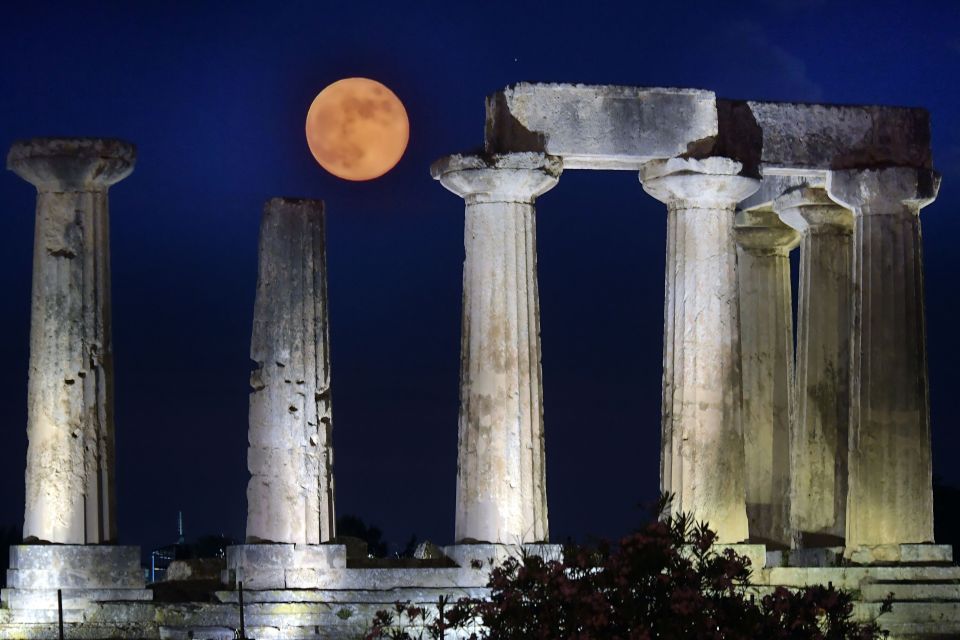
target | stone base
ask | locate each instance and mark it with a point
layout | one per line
(886, 554)
(486, 555)
(84, 573)
(282, 566)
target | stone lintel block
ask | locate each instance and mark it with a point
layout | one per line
(830, 137)
(72, 164)
(74, 567)
(465, 555)
(600, 126)
(621, 127)
(884, 554)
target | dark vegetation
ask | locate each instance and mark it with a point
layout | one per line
(668, 580)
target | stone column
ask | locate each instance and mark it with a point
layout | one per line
(766, 335)
(501, 481)
(890, 487)
(702, 461)
(70, 492)
(820, 423)
(290, 494)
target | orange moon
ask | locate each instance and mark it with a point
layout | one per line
(357, 129)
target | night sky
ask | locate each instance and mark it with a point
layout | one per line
(215, 95)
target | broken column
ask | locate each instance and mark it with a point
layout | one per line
(821, 417)
(766, 338)
(501, 480)
(702, 461)
(70, 486)
(290, 493)
(290, 509)
(890, 497)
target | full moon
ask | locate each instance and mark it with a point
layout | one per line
(357, 129)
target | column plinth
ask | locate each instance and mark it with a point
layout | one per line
(890, 497)
(702, 461)
(290, 494)
(820, 426)
(766, 335)
(501, 475)
(70, 489)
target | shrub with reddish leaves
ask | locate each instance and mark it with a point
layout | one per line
(666, 581)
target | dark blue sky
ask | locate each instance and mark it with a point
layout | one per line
(215, 96)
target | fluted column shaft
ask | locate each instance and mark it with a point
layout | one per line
(702, 460)
(890, 477)
(766, 338)
(70, 488)
(821, 419)
(501, 474)
(290, 494)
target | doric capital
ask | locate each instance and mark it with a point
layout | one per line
(810, 209)
(891, 190)
(72, 164)
(510, 177)
(711, 183)
(760, 231)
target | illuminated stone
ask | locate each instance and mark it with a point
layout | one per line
(820, 429)
(501, 478)
(766, 342)
(890, 496)
(70, 488)
(702, 458)
(290, 493)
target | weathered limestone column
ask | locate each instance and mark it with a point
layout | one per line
(501, 481)
(766, 338)
(70, 492)
(890, 497)
(702, 461)
(821, 418)
(290, 494)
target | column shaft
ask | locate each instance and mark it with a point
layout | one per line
(890, 486)
(290, 493)
(70, 487)
(501, 476)
(766, 335)
(821, 420)
(702, 423)
(501, 424)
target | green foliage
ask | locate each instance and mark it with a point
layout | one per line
(668, 580)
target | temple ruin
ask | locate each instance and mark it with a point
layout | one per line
(814, 460)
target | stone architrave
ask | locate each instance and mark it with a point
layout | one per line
(702, 460)
(766, 336)
(501, 480)
(890, 495)
(822, 393)
(70, 488)
(290, 458)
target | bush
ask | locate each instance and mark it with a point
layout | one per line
(667, 580)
